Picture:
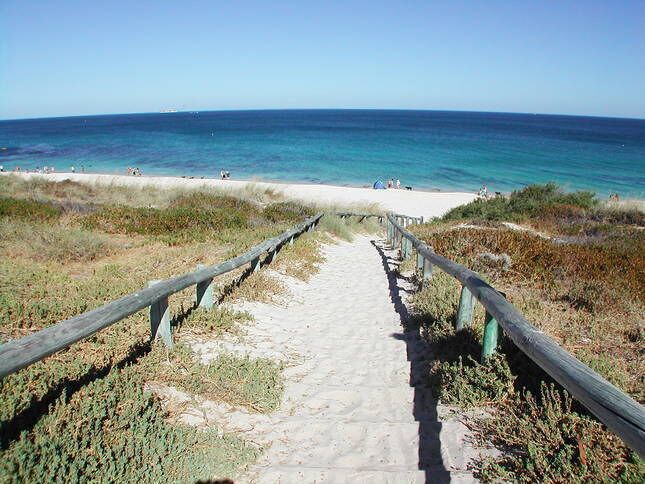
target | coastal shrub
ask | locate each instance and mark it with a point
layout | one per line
(28, 210)
(302, 259)
(546, 262)
(287, 211)
(336, 226)
(259, 286)
(51, 242)
(469, 383)
(204, 201)
(216, 321)
(521, 204)
(255, 383)
(172, 225)
(545, 440)
(121, 437)
(574, 287)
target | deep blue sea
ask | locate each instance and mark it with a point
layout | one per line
(425, 149)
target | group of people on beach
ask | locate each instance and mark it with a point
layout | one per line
(391, 183)
(224, 175)
(134, 171)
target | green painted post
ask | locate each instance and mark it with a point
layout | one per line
(420, 260)
(388, 231)
(491, 333)
(421, 220)
(204, 297)
(465, 311)
(272, 256)
(160, 319)
(256, 264)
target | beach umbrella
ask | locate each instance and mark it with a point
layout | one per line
(378, 185)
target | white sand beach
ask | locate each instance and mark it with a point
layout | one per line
(409, 202)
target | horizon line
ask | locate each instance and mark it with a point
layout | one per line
(319, 109)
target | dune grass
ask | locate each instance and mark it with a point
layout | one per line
(575, 284)
(68, 248)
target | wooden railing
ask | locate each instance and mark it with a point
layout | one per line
(17, 354)
(617, 410)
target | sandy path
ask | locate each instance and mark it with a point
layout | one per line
(349, 412)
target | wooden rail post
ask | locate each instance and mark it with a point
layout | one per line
(256, 264)
(420, 260)
(160, 319)
(273, 253)
(291, 241)
(204, 298)
(491, 334)
(465, 311)
(421, 220)
(427, 270)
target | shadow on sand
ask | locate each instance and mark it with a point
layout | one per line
(418, 352)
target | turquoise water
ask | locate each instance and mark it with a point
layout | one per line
(425, 149)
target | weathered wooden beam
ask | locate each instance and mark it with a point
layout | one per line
(621, 413)
(204, 296)
(465, 310)
(160, 319)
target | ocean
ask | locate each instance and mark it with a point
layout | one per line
(429, 150)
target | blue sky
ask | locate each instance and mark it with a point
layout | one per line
(81, 57)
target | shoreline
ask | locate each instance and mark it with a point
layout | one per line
(416, 203)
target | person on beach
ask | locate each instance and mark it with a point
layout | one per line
(1, 168)
(398, 184)
(73, 169)
(390, 183)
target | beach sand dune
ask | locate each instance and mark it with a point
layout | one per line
(408, 202)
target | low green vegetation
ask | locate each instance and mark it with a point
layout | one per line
(82, 413)
(346, 228)
(255, 383)
(113, 431)
(575, 268)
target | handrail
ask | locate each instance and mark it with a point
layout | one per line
(617, 410)
(17, 354)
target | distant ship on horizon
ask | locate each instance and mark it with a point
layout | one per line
(168, 111)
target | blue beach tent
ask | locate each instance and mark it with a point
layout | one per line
(378, 185)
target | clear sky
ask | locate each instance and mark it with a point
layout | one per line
(82, 57)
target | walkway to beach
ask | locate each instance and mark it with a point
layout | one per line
(352, 411)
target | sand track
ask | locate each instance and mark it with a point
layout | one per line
(352, 410)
